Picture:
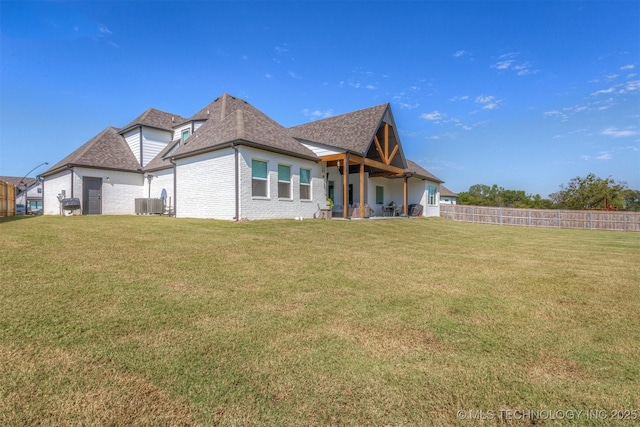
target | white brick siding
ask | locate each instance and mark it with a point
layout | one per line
(206, 185)
(162, 180)
(118, 193)
(54, 185)
(273, 206)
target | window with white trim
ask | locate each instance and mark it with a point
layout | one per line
(185, 135)
(305, 184)
(432, 195)
(284, 182)
(259, 185)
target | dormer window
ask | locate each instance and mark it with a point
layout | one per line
(185, 135)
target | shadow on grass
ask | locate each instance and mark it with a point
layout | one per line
(4, 219)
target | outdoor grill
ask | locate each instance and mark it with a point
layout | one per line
(70, 204)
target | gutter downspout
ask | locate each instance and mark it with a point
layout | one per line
(237, 182)
(175, 180)
(72, 176)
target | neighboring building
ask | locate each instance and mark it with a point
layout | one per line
(28, 192)
(231, 161)
(447, 196)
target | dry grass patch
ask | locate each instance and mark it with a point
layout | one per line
(57, 387)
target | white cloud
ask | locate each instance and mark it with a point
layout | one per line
(556, 114)
(488, 102)
(268, 76)
(317, 114)
(406, 106)
(460, 53)
(503, 65)
(604, 156)
(103, 29)
(628, 67)
(619, 133)
(632, 85)
(603, 91)
(610, 77)
(459, 98)
(370, 87)
(509, 61)
(294, 75)
(434, 116)
(282, 49)
(523, 69)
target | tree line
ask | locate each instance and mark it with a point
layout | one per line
(590, 192)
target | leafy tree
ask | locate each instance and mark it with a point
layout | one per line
(483, 195)
(590, 192)
(632, 200)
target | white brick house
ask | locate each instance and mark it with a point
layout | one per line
(231, 161)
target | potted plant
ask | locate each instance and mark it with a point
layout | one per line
(330, 203)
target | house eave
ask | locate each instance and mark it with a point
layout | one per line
(69, 166)
(245, 143)
(137, 125)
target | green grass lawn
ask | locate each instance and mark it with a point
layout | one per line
(162, 321)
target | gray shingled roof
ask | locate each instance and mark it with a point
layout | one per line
(445, 192)
(15, 180)
(108, 150)
(159, 161)
(352, 131)
(231, 119)
(155, 119)
(416, 169)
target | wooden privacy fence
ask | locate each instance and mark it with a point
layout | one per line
(7, 199)
(550, 218)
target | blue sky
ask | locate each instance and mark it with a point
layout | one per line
(526, 95)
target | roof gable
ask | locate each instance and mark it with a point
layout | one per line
(416, 169)
(155, 119)
(235, 120)
(445, 192)
(161, 160)
(351, 131)
(108, 150)
(17, 181)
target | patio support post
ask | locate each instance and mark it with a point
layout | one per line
(405, 195)
(362, 190)
(345, 187)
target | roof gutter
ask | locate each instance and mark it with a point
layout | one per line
(248, 144)
(74, 165)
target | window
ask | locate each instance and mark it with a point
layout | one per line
(432, 195)
(284, 182)
(305, 184)
(379, 195)
(258, 178)
(350, 194)
(185, 135)
(39, 190)
(330, 191)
